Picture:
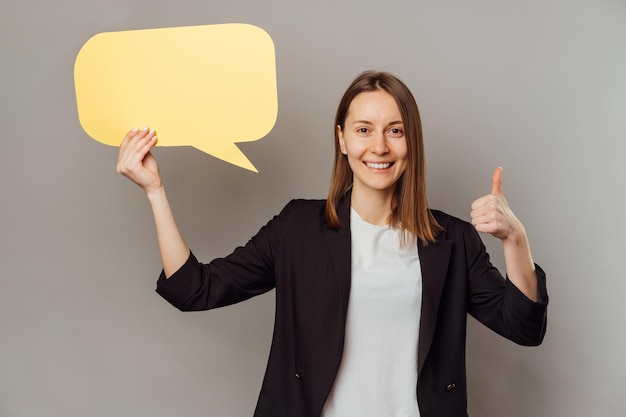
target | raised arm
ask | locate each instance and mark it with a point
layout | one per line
(136, 162)
(492, 214)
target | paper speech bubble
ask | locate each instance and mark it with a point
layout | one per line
(204, 86)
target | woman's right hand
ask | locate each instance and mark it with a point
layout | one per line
(136, 162)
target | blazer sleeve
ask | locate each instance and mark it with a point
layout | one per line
(246, 272)
(498, 303)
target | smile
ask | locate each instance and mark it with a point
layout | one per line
(378, 165)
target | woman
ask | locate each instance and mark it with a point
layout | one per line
(372, 288)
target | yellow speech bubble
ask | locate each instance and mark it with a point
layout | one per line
(205, 86)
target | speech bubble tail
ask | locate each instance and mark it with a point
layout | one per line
(230, 153)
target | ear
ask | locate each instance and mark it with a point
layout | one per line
(342, 142)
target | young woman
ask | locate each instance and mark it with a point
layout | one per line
(372, 287)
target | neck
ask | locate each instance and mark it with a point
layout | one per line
(374, 208)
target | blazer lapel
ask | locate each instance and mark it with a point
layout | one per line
(434, 260)
(339, 245)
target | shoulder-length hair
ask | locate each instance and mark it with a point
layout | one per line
(410, 211)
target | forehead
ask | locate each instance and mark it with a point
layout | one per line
(374, 105)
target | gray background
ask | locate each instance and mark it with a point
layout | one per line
(538, 87)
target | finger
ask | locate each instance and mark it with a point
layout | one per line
(482, 215)
(486, 201)
(138, 134)
(496, 181)
(489, 228)
(480, 202)
(134, 147)
(149, 141)
(484, 218)
(131, 133)
(138, 141)
(145, 131)
(133, 137)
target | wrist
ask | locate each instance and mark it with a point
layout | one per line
(156, 193)
(517, 238)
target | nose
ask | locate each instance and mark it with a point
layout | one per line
(379, 144)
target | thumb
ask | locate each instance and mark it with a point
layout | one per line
(496, 182)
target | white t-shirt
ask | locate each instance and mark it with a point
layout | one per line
(378, 372)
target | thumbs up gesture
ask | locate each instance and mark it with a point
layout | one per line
(492, 214)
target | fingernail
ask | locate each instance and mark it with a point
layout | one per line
(135, 130)
(151, 131)
(144, 129)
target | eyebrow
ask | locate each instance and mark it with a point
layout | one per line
(367, 122)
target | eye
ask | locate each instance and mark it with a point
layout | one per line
(362, 130)
(396, 131)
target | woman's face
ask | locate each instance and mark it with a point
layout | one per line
(374, 142)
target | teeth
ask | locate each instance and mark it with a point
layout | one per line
(378, 165)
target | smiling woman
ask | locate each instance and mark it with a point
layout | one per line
(373, 140)
(379, 107)
(372, 287)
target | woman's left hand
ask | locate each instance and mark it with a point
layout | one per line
(492, 214)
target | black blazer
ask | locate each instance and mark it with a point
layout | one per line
(308, 264)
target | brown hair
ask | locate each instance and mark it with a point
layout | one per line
(409, 206)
